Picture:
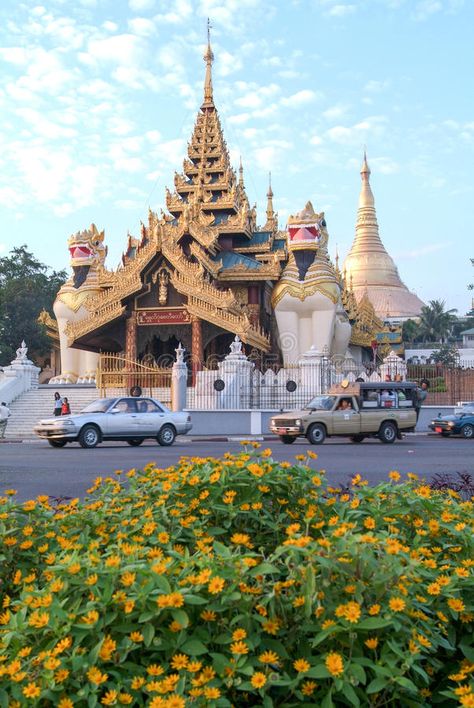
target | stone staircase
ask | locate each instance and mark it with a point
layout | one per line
(39, 403)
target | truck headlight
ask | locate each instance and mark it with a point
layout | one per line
(451, 424)
(297, 421)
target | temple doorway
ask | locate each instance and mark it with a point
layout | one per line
(217, 349)
(157, 345)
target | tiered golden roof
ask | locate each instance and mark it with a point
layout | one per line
(209, 237)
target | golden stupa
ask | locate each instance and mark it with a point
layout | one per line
(369, 267)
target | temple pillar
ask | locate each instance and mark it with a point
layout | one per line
(253, 307)
(197, 351)
(130, 348)
(131, 336)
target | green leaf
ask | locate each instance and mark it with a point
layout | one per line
(194, 647)
(148, 632)
(351, 695)
(327, 701)
(222, 550)
(162, 583)
(358, 672)
(374, 623)
(377, 685)
(181, 617)
(195, 600)
(267, 702)
(406, 683)
(467, 649)
(319, 671)
(264, 569)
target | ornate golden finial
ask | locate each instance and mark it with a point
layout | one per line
(241, 173)
(337, 258)
(208, 58)
(272, 218)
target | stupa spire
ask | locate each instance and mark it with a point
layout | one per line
(208, 58)
(371, 269)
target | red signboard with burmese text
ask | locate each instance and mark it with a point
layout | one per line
(163, 317)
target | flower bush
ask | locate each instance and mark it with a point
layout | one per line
(236, 582)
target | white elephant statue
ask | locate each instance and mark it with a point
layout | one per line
(307, 298)
(87, 260)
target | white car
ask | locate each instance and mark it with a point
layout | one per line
(464, 407)
(132, 419)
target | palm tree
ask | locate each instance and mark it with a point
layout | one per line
(436, 322)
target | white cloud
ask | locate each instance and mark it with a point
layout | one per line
(301, 98)
(123, 49)
(426, 8)
(341, 10)
(139, 5)
(335, 112)
(142, 26)
(371, 126)
(376, 86)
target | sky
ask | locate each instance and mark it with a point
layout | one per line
(98, 99)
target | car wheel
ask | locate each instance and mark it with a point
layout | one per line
(357, 438)
(89, 436)
(166, 436)
(467, 431)
(287, 439)
(135, 442)
(57, 443)
(388, 432)
(316, 434)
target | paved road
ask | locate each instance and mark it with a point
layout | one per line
(34, 468)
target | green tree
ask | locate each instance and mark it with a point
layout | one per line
(26, 287)
(436, 322)
(410, 331)
(447, 354)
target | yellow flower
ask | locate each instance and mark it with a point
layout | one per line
(241, 539)
(65, 703)
(216, 585)
(456, 604)
(271, 626)
(334, 664)
(239, 634)
(208, 615)
(174, 599)
(433, 589)
(268, 657)
(136, 637)
(125, 698)
(38, 619)
(96, 676)
(210, 692)
(128, 579)
(31, 690)
(308, 688)
(397, 604)
(239, 648)
(107, 649)
(179, 661)
(91, 617)
(371, 643)
(51, 663)
(258, 679)
(61, 675)
(301, 665)
(394, 475)
(110, 698)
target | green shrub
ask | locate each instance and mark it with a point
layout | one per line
(237, 582)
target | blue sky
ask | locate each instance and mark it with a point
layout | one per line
(98, 99)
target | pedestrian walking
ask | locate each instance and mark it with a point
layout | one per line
(65, 408)
(4, 416)
(58, 402)
(421, 393)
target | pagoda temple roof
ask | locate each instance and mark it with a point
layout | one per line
(229, 259)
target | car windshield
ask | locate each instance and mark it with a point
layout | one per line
(99, 406)
(324, 403)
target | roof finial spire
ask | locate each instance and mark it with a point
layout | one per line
(272, 218)
(365, 169)
(208, 58)
(241, 173)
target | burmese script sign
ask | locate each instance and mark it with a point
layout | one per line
(163, 317)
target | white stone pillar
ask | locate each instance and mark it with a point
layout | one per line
(394, 367)
(179, 381)
(312, 374)
(236, 373)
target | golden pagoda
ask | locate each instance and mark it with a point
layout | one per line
(200, 273)
(369, 267)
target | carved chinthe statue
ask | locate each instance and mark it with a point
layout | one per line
(307, 298)
(88, 254)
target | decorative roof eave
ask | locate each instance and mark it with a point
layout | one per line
(99, 318)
